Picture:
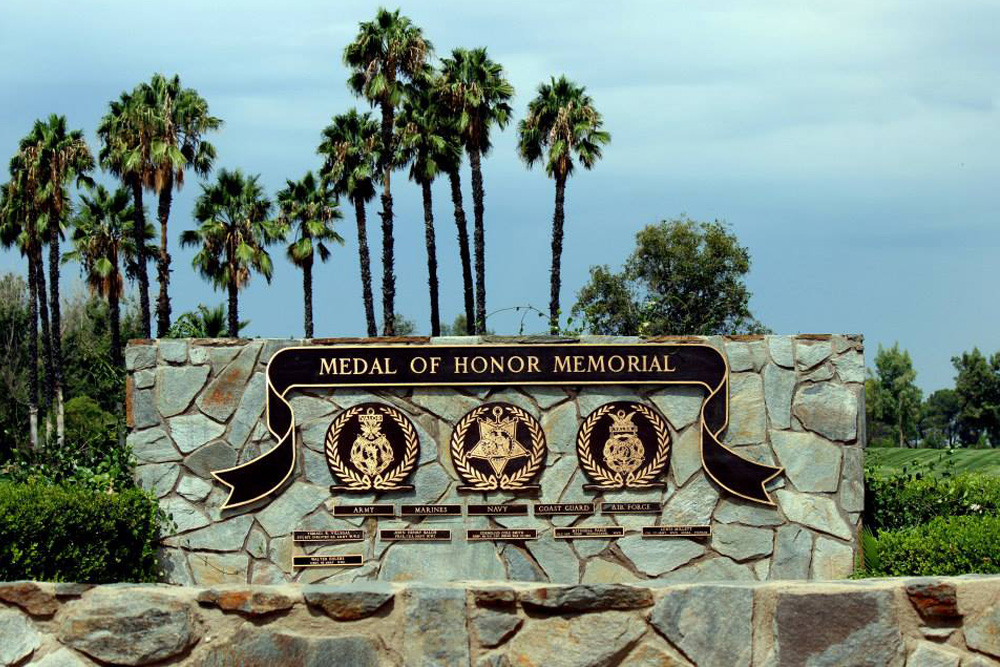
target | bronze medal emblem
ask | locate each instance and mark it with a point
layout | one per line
(498, 446)
(624, 444)
(372, 447)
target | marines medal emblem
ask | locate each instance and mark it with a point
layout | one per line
(498, 446)
(372, 447)
(624, 444)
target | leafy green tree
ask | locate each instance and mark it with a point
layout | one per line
(892, 397)
(683, 278)
(16, 380)
(234, 232)
(939, 418)
(562, 122)
(405, 326)
(385, 54)
(977, 385)
(308, 208)
(477, 91)
(349, 145)
(204, 322)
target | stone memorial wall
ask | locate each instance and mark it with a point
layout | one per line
(794, 402)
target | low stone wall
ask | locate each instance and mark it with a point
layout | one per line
(795, 401)
(949, 622)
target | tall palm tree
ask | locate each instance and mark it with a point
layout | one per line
(449, 127)
(350, 144)
(233, 236)
(561, 121)
(477, 90)
(385, 54)
(424, 144)
(308, 209)
(56, 156)
(126, 142)
(179, 120)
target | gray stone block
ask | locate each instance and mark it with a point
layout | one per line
(434, 628)
(827, 409)
(176, 387)
(817, 512)
(190, 432)
(20, 639)
(740, 542)
(587, 640)
(811, 463)
(657, 557)
(710, 624)
(792, 553)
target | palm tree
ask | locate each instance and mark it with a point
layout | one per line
(203, 323)
(385, 54)
(179, 120)
(102, 239)
(424, 144)
(448, 124)
(235, 230)
(475, 88)
(308, 209)
(561, 122)
(55, 156)
(126, 143)
(350, 144)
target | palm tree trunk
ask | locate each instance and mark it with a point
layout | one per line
(163, 263)
(139, 237)
(33, 353)
(366, 268)
(54, 258)
(557, 242)
(432, 263)
(479, 240)
(43, 314)
(463, 250)
(307, 296)
(388, 258)
(114, 305)
(234, 308)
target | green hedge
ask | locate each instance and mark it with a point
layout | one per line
(71, 533)
(951, 545)
(902, 501)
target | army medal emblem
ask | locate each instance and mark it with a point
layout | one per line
(624, 444)
(372, 447)
(498, 446)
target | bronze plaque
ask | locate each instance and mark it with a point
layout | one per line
(550, 509)
(631, 508)
(587, 532)
(677, 531)
(498, 446)
(430, 510)
(372, 447)
(328, 535)
(497, 510)
(364, 510)
(501, 534)
(344, 560)
(624, 444)
(414, 535)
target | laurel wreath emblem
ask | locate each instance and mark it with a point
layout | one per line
(491, 482)
(358, 481)
(642, 478)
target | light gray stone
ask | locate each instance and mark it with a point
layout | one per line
(349, 603)
(430, 482)
(810, 353)
(257, 543)
(198, 354)
(850, 366)
(707, 571)
(313, 435)
(811, 463)
(792, 553)
(192, 431)
(140, 356)
(184, 515)
(212, 569)
(828, 409)
(681, 404)
(732, 510)
(173, 351)
(20, 639)
(710, 624)
(560, 425)
(228, 535)
(441, 561)
(315, 468)
(285, 512)
(654, 653)
(434, 627)
(519, 566)
(692, 504)
(251, 646)
(308, 408)
(926, 654)
(509, 395)
(546, 397)
(144, 409)
(657, 557)
(832, 559)
(223, 394)
(852, 488)
(215, 456)
(555, 476)
(820, 374)
(817, 512)
(983, 633)
(144, 379)
(740, 542)
(778, 387)
(193, 488)
(586, 640)
(173, 564)
(593, 397)
(685, 454)
(247, 414)
(158, 478)
(153, 446)
(445, 403)
(556, 558)
(745, 355)
(177, 386)
(493, 627)
(601, 571)
(782, 350)
(747, 414)
(60, 658)
(220, 356)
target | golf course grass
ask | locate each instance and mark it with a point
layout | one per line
(895, 459)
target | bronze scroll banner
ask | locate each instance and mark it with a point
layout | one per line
(383, 366)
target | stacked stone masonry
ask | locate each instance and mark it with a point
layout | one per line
(952, 622)
(796, 401)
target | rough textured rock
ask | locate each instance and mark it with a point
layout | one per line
(657, 557)
(434, 629)
(214, 456)
(556, 558)
(596, 597)
(193, 488)
(934, 600)
(828, 409)
(742, 542)
(693, 504)
(792, 553)
(140, 356)
(153, 445)
(246, 601)
(832, 559)
(173, 351)
(601, 571)
(494, 627)
(454, 561)
(812, 353)
(747, 414)
(227, 535)
(811, 463)
(710, 624)
(192, 431)
(681, 405)
(177, 386)
(263, 647)
(685, 455)
(350, 602)
(60, 658)
(183, 514)
(19, 637)
(30, 597)
(654, 653)
(588, 640)
(249, 410)
(285, 512)
(211, 569)
(983, 633)
(560, 426)
(927, 654)
(224, 392)
(778, 387)
(127, 629)
(782, 350)
(815, 512)
(736, 510)
(158, 478)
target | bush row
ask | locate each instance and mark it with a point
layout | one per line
(902, 501)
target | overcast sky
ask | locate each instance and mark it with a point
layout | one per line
(853, 146)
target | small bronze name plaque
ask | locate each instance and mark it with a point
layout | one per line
(501, 534)
(586, 532)
(677, 531)
(414, 535)
(364, 510)
(631, 508)
(430, 510)
(497, 510)
(542, 509)
(345, 560)
(328, 535)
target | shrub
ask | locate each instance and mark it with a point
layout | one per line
(72, 533)
(944, 546)
(899, 502)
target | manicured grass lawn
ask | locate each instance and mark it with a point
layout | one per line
(892, 459)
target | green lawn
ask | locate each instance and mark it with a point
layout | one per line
(892, 459)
